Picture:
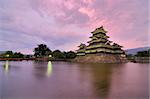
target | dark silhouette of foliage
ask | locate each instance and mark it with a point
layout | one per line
(42, 50)
(58, 54)
(11, 54)
(70, 54)
(63, 55)
(18, 55)
(28, 56)
(143, 53)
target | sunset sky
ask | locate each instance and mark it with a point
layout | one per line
(64, 24)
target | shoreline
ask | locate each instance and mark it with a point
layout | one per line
(36, 59)
(135, 60)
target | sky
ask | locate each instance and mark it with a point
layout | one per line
(64, 24)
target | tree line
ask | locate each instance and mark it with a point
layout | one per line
(41, 51)
(140, 54)
(143, 53)
(11, 54)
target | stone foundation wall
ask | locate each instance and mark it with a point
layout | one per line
(101, 58)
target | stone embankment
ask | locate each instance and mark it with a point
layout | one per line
(101, 58)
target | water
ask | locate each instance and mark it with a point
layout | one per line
(64, 80)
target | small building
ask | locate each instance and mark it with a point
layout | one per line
(81, 50)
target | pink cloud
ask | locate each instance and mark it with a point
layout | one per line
(66, 23)
(90, 12)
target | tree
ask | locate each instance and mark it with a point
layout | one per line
(42, 50)
(143, 53)
(70, 55)
(11, 54)
(8, 54)
(58, 54)
(18, 55)
(64, 55)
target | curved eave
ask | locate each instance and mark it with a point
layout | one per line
(118, 46)
(99, 31)
(94, 37)
(101, 46)
(80, 54)
(97, 41)
(104, 50)
(80, 50)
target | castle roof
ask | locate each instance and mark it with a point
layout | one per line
(82, 46)
(99, 30)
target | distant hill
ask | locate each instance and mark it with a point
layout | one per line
(135, 50)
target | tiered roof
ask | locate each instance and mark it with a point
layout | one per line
(99, 43)
(81, 50)
(99, 30)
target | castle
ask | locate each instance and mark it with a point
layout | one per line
(100, 49)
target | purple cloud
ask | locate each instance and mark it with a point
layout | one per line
(66, 23)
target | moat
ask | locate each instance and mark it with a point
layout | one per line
(65, 80)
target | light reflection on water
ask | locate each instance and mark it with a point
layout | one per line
(6, 66)
(49, 69)
(64, 80)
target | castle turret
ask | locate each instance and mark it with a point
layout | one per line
(81, 50)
